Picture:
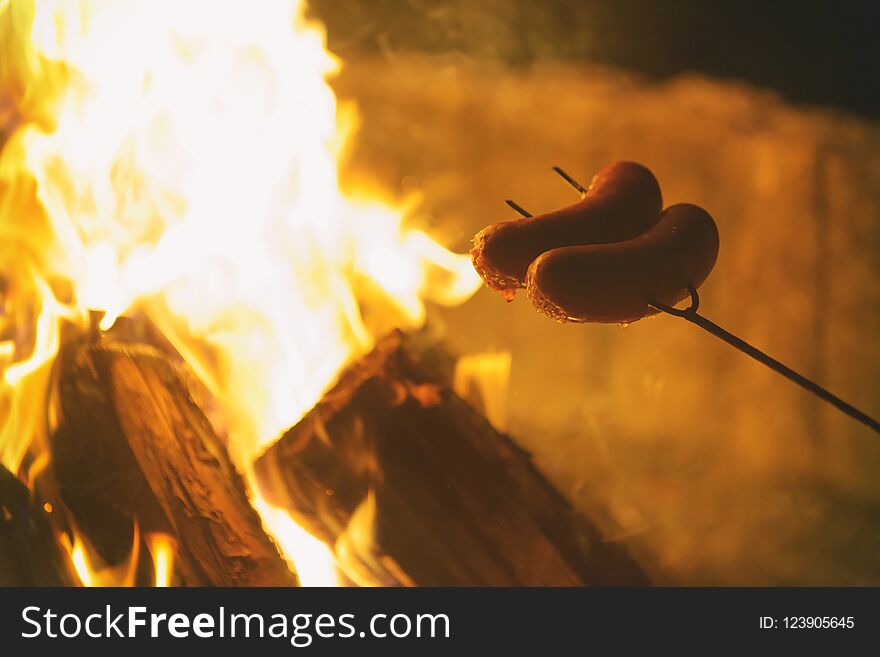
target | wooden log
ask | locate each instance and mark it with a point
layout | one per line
(131, 444)
(30, 554)
(413, 486)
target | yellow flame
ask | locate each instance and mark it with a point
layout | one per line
(161, 548)
(91, 571)
(314, 560)
(181, 156)
(482, 379)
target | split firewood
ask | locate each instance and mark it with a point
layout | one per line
(415, 487)
(30, 554)
(131, 445)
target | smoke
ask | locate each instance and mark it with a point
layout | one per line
(713, 469)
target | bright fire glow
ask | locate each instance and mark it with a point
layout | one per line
(162, 550)
(180, 157)
(482, 380)
(91, 571)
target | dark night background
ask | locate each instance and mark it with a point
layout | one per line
(825, 53)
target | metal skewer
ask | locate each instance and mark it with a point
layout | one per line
(567, 178)
(520, 209)
(571, 181)
(690, 314)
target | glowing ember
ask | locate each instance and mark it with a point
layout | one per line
(179, 157)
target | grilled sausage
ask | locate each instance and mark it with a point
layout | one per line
(616, 282)
(622, 202)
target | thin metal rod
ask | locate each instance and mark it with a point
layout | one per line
(691, 315)
(571, 181)
(516, 206)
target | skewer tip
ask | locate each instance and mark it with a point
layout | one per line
(571, 181)
(518, 208)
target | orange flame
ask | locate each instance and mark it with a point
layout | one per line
(180, 157)
(482, 379)
(161, 548)
(91, 571)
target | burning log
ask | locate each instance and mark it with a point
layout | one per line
(132, 445)
(413, 486)
(30, 554)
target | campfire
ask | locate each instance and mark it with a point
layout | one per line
(241, 342)
(137, 190)
(185, 280)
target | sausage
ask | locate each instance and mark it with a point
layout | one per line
(622, 202)
(616, 282)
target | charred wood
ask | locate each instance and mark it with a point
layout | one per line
(30, 554)
(131, 445)
(413, 486)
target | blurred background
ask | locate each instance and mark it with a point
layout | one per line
(712, 468)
